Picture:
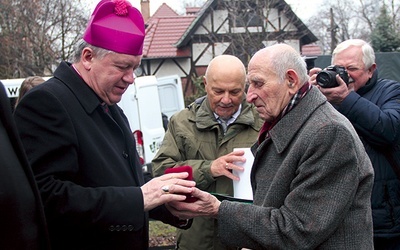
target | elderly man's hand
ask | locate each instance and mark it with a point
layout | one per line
(225, 164)
(334, 95)
(313, 75)
(207, 205)
(337, 94)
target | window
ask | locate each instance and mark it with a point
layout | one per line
(247, 18)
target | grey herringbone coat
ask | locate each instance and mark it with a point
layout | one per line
(312, 183)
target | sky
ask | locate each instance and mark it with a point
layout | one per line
(303, 9)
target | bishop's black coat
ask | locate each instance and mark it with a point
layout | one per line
(86, 165)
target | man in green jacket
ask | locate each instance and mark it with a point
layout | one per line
(196, 137)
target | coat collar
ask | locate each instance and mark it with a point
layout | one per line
(295, 119)
(86, 96)
(370, 84)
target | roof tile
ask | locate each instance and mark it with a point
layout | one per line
(163, 30)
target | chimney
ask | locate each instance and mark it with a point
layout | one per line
(145, 9)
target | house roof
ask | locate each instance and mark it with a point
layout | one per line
(163, 11)
(308, 36)
(168, 33)
(163, 30)
(192, 10)
(197, 21)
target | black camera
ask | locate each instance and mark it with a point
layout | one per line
(327, 78)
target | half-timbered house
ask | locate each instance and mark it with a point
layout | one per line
(185, 44)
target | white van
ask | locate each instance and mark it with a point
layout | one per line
(170, 94)
(143, 103)
(12, 88)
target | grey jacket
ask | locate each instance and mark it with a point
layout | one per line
(312, 183)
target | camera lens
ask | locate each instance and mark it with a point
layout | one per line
(327, 79)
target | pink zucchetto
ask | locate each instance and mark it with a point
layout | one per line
(117, 26)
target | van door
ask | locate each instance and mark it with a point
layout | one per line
(171, 94)
(140, 103)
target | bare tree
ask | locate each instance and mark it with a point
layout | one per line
(352, 19)
(335, 22)
(70, 19)
(18, 46)
(36, 34)
(394, 8)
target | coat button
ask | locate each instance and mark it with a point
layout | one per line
(125, 154)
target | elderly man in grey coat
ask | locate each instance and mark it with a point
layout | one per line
(311, 176)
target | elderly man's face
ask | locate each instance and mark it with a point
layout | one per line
(352, 59)
(266, 91)
(111, 75)
(225, 93)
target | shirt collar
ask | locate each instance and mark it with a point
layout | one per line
(233, 117)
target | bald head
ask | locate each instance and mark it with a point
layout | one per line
(275, 74)
(226, 67)
(270, 53)
(279, 58)
(224, 83)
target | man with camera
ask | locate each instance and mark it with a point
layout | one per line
(372, 105)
